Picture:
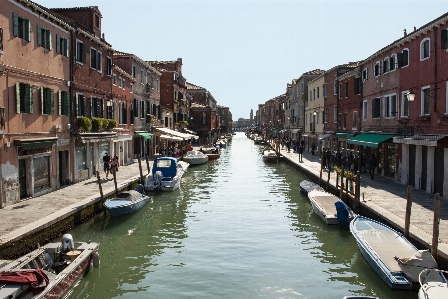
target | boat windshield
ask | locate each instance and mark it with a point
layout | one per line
(164, 163)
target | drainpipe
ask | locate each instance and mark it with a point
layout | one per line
(436, 50)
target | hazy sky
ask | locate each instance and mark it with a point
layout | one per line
(245, 52)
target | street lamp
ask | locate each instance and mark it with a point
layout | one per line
(411, 96)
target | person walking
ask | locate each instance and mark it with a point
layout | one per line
(329, 156)
(114, 164)
(301, 153)
(313, 148)
(373, 165)
(106, 164)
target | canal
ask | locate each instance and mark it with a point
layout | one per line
(237, 228)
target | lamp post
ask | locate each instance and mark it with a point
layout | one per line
(314, 121)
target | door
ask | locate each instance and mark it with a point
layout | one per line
(22, 178)
(439, 162)
(424, 168)
(63, 168)
(411, 165)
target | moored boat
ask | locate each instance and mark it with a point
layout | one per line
(270, 156)
(127, 202)
(306, 186)
(382, 247)
(50, 271)
(195, 158)
(166, 174)
(326, 206)
(213, 156)
(433, 284)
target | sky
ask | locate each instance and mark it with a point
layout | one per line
(245, 52)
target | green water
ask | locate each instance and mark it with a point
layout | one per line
(237, 228)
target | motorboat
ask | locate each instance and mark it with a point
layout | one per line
(258, 140)
(208, 150)
(213, 156)
(306, 186)
(327, 206)
(221, 143)
(386, 251)
(433, 284)
(270, 156)
(195, 158)
(166, 174)
(127, 202)
(229, 136)
(50, 271)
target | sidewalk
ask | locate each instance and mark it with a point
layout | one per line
(28, 216)
(387, 199)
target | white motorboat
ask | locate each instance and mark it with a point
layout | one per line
(195, 158)
(330, 208)
(433, 284)
(127, 202)
(270, 156)
(166, 174)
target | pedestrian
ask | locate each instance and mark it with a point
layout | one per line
(288, 144)
(301, 153)
(373, 165)
(106, 162)
(350, 159)
(114, 164)
(328, 156)
(323, 158)
(313, 148)
(355, 164)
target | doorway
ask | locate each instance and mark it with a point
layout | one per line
(63, 168)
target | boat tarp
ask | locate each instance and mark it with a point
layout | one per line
(387, 244)
(413, 266)
(35, 278)
(130, 195)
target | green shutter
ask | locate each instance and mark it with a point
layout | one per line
(58, 45)
(51, 101)
(91, 107)
(49, 44)
(18, 96)
(28, 99)
(77, 105)
(27, 30)
(67, 103)
(39, 35)
(98, 61)
(15, 22)
(42, 100)
(60, 102)
(66, 43)
(83, 53)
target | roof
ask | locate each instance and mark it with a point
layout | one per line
(136, 59)
(194, 87)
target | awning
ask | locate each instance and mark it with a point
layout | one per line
(425, 140)
(321, 137)
(294, 131)
(35, 143)
(370, 139)
(171, 137)
(345, 135)
(175, 133)
(145, 135)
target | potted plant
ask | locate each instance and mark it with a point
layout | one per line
(85, 124)
(112, 124)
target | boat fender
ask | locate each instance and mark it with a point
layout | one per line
(96, 259)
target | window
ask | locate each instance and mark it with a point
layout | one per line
(425, 100)
(24, 98)
(120, 82)
(47, 100)
(132, 114)
(80, 105)
(324, 116)
(364, 75)
(355, 120)
(344, 124)
(123, 113)
(109, 66)
(386, 65)
(114, 79)
(21, 27)
(61, 45)
(148, 78)
(404, 104)
(335, 88)
(142, 76)
(403, 58)
(135, 107)
(80, 52)
(424, 49)
(203, 119)
(64, 103)
(346, 89)
(43, 37)
(318, 93)
(133, 71)
(110, 110)
(311, 95)
(314, 93)
(324, 90)
(364, 109)
(142, 109)
(340, 91)
(95, 59)
(390, 106)
(392, 62)
(335, 113)
(358, 86)
(376, 108)
(124, 84)
(97, 107)
(376, 69)
(131, 87)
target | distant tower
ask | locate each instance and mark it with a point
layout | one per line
(251, 117)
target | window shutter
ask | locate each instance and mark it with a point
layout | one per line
(92, 111)
(83, 57)
(28, 98)
(58, 47)
(18, 97)
(67, 104)
(98, 61)
(66, 47)
(444, 38)
(15, 22)
(49, 43)
(60, 102)
(39, 35)
(77, 106)
(400, 59)
(356, 89)
(42, 103)
(51, 100)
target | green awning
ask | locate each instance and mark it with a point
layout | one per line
(35, 143)
(370, 139)
(146, 135)
(344, 135)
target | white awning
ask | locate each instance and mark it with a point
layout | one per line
(170, 137)
(175, 133)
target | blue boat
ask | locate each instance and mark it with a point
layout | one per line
(166, 174)
(127, 202)
(385, 249)
(307, 186)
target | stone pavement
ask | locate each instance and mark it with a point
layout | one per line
(31, 215)
(387, 199)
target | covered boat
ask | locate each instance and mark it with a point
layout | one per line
(327, 205)
(166, 174)
(50, 271)
(385, 249)
(270, 156)
(127, 202)
(433, 284)
(306, 186)
(195, 158)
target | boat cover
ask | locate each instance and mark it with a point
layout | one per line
(35, 278)
(123, 198)
(413, 266)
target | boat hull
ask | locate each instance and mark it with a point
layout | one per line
(307, 186)
(124, 207)
(323, 204)
(171, 177)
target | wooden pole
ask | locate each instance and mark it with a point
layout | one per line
(99, 184)
(141, 171)
(356, 201)
(328, 179)
(114, 172)
(407, 219)
(147, 163)
(435, 229)
(341, 192)
(321, 168)
(337, 180)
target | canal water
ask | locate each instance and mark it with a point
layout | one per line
(237, 228)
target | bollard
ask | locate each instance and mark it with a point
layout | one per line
(115, 183)
(328, 179)
(99, 184)
(356, 200)
(407, 219)
(147, 163)
(435, 228)
(141, 171)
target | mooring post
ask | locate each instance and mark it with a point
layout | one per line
(140, 168)
(99, 184)
(147, 163)
(341, 192)
(328, 179)
(321, 168)
(115, 182)
(435, 229)
(337, 180)
(356, 201)
(407, 219)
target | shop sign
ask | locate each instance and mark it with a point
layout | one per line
(63, 141)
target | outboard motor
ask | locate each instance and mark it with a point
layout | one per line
(158, 177)
(67, 242)
(342, 214)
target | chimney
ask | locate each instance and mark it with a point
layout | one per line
(415, 28)
(104, 37)
(405, 32)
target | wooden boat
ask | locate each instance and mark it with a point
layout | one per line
(384, 249)
(127, 202)
(433, 284)
(166, 174)
(270, 156)
(195, 158)
(326, 205)
(50, 271)
(306, 186)
(213, 156)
